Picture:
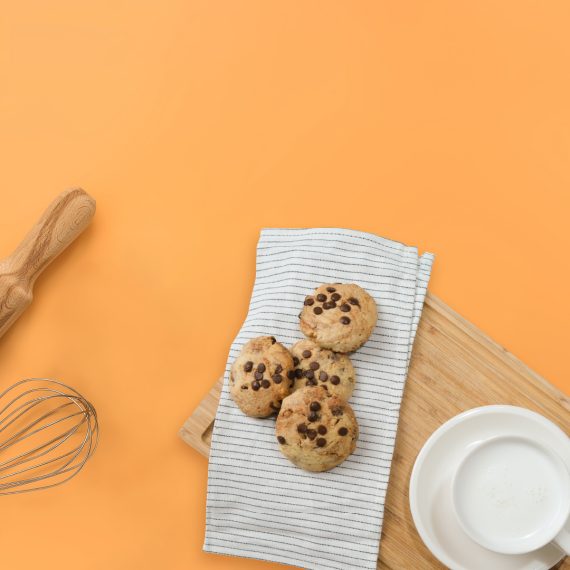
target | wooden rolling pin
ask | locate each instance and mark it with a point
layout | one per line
(66, 217)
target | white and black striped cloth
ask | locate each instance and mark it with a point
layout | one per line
(260, 505)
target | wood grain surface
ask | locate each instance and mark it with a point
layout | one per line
(454, 367)
(62, 222)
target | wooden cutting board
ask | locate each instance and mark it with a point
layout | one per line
(454, 367)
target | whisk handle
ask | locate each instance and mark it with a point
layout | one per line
(63, 221)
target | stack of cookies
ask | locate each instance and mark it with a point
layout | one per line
(309, 386)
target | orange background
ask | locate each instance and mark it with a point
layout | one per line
(195, 124)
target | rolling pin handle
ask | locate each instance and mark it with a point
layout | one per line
(63, 221)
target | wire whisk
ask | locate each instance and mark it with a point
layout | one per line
(48, 431)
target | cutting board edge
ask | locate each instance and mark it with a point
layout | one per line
(495, 348)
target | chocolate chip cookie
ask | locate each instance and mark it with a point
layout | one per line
(315, 429)
(339, 316)
(316, 366)
(259, 377)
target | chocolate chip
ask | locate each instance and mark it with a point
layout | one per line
(273, 340)
(278, 369)
(307, 354)
(354, 301)
(244, 387)
(323, 376)
(322, 430)
(345, 320)
(335, 297)
(315, 407)
(248, 366)
(335, 380)
(295, 361)
(298, 373)
(342, 431)
(258, 375)
(337, 411)
(317, 310)
(313, 417)
(277, 378)
(265, 383)
(345, 308)
(309, 301)
(314, 366)
(302, 428)
(311, 382)
(291, 375)
(329, 305)
(256, 385)
(309, 374)
(311, 434)
(261, 367)
(281, 439)
(321, 298)
(321, 442)
(331, 289)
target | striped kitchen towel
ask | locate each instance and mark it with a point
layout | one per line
(261, 506)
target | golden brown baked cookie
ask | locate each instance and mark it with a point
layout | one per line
(316, 366)
(315, 429)
(258, 378)
(339, 316)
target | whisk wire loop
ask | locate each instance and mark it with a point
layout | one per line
(43, 443)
